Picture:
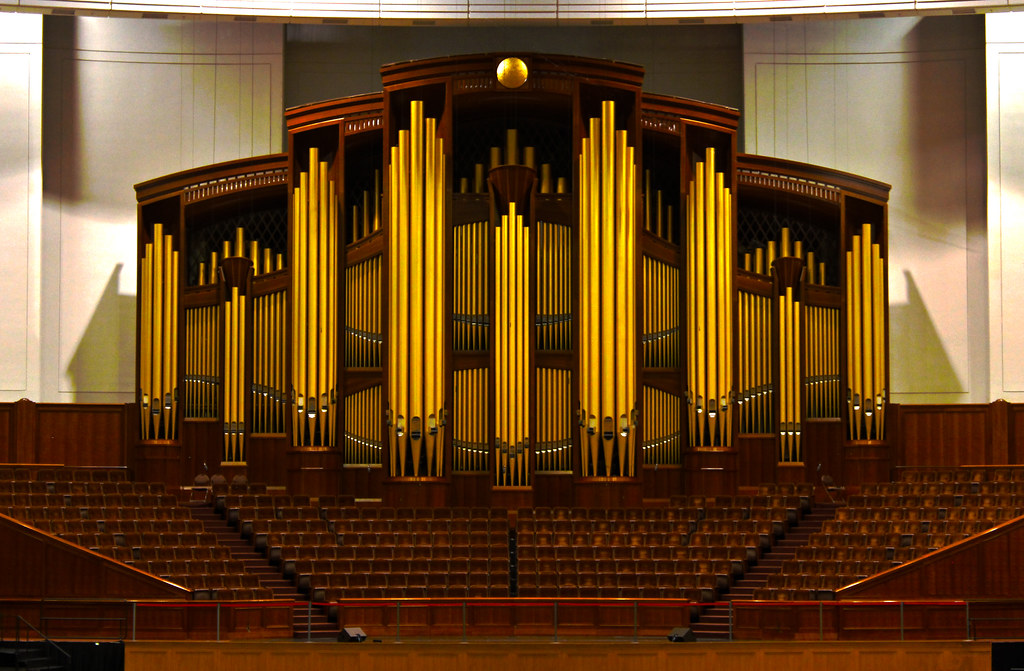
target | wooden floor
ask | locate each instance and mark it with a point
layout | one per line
(646, 655)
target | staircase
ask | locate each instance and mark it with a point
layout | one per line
(306, 622)
(714, 622)
(24, 656)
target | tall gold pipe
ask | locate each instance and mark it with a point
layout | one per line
(157, 287)
(850, 361)
(866, 326)
(879, 331)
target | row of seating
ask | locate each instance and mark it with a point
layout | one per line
(972, 474)
(693, 587)
(965, 513)
(940, 488)
(342, 524)
(78, 488)
(86, 513)
(118, 526)
(903, 526)
(835, 566)
(93, 500)
(636, 553)
(75, 474)
(131, 555)
(724, 567)
(933, 501)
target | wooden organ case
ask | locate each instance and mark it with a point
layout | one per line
(512, 280)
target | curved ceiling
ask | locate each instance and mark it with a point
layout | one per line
(439, 12)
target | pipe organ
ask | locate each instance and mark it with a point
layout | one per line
(586, 282)
(158, 337)
(416, 364)
(554, 320)
(471, 282)
(710, 262)
(314, 304)
(511, 349)
(469, 421)
(607, 301)
(362, 411)
(866, 346)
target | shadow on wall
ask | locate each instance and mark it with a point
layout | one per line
(104, 361)
(912, 330)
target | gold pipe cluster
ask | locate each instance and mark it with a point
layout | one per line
(660, 314)
(763, 257)
(755, 362)
(512, 349)
(366, 213)
(471, 283)
(269, 398)
(234, 377)
(822, 381)
(607, 207)
(469, 420)
(202, 362)
(659, 216)
(416, 286)
(662, 434)
(264, 260)
(554, 313)
(363, 314)
(314, 304)
(158, 347)
(363, 427)
(865, 337)
(510, 155)
(790, 337)
(709, 299)
(554, 420)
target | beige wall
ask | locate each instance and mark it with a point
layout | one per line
(901, 101)
(128, 100)
(1004, 37)
(21, 184)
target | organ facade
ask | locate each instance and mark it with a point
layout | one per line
(512, 279)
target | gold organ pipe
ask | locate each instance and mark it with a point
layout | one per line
(879, 342)
(416, 342)
(156, 395)
(867, 305)
(417, 312)
(691, 309)
(530, 157)
(511, 146)
(146, 342)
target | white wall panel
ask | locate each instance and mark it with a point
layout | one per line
(131, 100)
(1005, 60)
(21, 38)
(897, 100)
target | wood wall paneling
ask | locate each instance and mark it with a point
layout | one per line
(267, 458)
(47, 567)
(78, 434)
(944, 435)
(565, 656)
(711, 471)
(986, 565)
(7, 438)
(757, 461)
(316, 472)
(362, 482)
(160, 461)
(202, 448)
(662, 482)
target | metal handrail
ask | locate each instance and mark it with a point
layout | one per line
(18, 622)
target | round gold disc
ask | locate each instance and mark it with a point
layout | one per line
(512, 73)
